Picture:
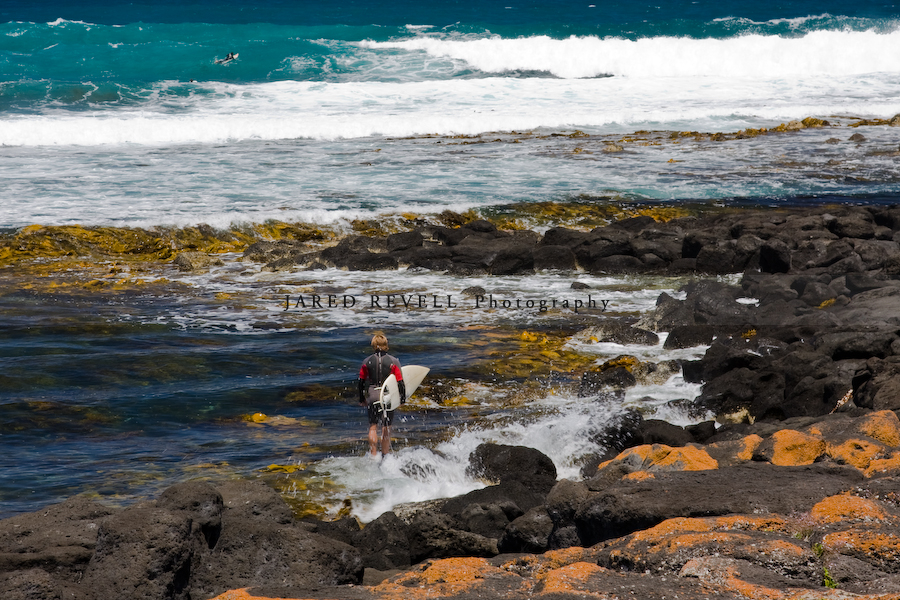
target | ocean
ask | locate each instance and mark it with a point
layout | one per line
(125, 114)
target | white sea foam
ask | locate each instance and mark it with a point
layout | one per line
(562, 427)
(329, 111)
(834, 53)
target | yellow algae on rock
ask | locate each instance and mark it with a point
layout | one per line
(256, 417)
(793, 448)
(843, 507)
(624, 361)
(284, 468)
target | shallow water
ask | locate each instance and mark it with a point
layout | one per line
(123, 396)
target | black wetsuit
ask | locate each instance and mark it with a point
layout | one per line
(374, 370)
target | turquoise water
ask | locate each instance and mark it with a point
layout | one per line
(117, 113)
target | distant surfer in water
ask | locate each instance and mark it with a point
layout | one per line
(374, 370)
(231, 56)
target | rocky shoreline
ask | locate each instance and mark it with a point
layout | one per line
(792, 492)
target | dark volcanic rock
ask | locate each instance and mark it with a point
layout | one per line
(630, 506)
(404, 241)
(498, 462)
(688, 336)
(143, 553)
(529, 533)
(201, 502)
(560, 258)
(513, 498)
(774, 257)
(196, 261)
(384, 543)
(437, 535)
(59, 539)
(260, 544)
(593, 382)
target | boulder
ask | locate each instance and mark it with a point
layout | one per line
(404, 241)
(201, 502)
(774, 257)
(383, 544)
(489, 520)
(718, 259)
(512, 497)
(502, 463)
(689, 336)
(569, 238)
(143, 553)
(593, 382)
(196, 261)
(632, 505)
(437, 535)
(529, 533)
(547, 257)
(616, 332)
(59, 539)
(616, 264)
(261, 544)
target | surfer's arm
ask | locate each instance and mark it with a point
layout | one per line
(361, 384)
(401, 385)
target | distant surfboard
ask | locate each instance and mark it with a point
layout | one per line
(390, 392)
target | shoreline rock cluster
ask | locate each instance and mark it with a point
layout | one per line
(772, 241)
(794, 491)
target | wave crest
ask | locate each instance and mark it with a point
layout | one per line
(816, 53)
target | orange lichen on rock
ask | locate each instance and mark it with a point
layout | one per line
(242, 594)
(659, 457)
(844, 506)
(682, 525)
(724, 574)
(751, 442)
(639, 476)
(781, 550)
(883, 546)
(856, 453)
(552, 559)
(570, 579)
(883, 465)
(750, 523)
(443, 577)
(793, 448)
(883, 426)
(687, 458)
(452, 570)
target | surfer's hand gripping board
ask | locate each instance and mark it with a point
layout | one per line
(413, 375)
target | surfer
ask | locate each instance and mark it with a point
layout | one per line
(372, 374)
(231, 56)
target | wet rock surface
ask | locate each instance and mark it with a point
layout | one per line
(794, 490)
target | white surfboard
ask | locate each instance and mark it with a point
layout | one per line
(390, 392)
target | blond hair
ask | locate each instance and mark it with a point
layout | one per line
(379, 342)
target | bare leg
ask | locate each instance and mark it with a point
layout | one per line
(386, 439)
(373, 440)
